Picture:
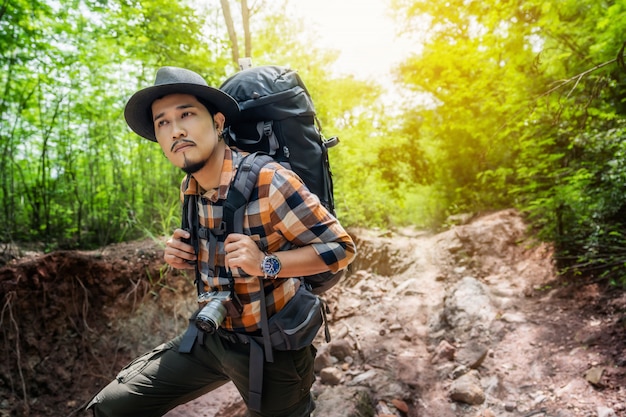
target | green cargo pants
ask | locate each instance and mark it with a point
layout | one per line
(164, 378)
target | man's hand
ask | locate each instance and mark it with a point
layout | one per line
(178, 253)
(242, 252)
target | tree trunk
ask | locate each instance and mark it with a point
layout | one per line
(228, 18)
(245, 17)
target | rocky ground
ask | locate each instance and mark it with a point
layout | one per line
(469, 322)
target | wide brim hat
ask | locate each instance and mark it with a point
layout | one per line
(173, 80)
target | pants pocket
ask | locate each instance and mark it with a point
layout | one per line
(137, 366)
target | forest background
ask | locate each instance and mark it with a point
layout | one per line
(496, 104)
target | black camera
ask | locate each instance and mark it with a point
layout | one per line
(214, 312)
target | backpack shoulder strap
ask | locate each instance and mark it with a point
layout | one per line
(241, 189)
(190, 224)
(232, 217)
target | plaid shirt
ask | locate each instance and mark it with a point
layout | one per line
(281, 214)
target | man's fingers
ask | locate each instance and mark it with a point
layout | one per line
(178, 253)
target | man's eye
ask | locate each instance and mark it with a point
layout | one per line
(161, 123)
(185, 114)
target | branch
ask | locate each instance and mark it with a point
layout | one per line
(619, 59)
(578, 77)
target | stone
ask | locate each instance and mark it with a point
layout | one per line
(331, 376)
(459, 371)
(594, 375)
(400, 405)
(344, 402)
(444, 352)
(322, 360)
(509, 406)
(606, 412)
(468, 306)
(340, 349)
(472, 355)
(467, 389)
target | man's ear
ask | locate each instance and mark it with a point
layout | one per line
(219, 120)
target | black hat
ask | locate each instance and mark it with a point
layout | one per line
(173, 80)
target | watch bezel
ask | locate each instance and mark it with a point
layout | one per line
(270, 266)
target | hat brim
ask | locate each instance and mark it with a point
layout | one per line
(138, 111)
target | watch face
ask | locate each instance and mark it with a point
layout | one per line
(271, 266)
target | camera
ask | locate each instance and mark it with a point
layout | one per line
(214, 312)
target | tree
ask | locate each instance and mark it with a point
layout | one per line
(527, 104)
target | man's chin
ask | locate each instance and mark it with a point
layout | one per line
(193, 167)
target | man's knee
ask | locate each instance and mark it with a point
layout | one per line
(111, 401)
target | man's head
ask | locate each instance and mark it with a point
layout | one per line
(173, 80)
(184, 115)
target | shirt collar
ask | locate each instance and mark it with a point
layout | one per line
(226, 176)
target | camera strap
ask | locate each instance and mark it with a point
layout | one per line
(191, 223)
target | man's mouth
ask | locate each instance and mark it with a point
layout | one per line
(181, 145)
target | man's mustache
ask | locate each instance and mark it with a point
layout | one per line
(175, 144)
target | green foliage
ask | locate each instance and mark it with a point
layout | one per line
(73, 174)
(524, 107)
(518, 103)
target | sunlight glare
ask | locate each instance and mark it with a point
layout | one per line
(362, 30)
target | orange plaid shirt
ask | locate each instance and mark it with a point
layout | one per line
(281, 214)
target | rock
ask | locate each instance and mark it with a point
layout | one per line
(468, 307)
(459, 371)
(606, 412)
(594, 376)
(400, 405)
(382, 409)
(344, 402)
(363, 377)
(513, 318)
(322, 360)
(446, 370)
(340, 349)
(472, 355)
(444, 351)
(395, 327)
(331, 376)
(467, 389)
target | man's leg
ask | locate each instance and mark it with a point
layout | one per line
(162, 379)
(286, 382)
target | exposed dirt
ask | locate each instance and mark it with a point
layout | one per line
(404, 333)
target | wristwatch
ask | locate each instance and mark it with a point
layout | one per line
(270, 265)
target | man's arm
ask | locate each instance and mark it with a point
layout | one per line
(292, 211)
(242, 252)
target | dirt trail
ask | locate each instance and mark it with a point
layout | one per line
(469, 322)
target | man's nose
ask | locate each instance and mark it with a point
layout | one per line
(178, 130)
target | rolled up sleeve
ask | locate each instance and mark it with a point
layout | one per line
(301, 219)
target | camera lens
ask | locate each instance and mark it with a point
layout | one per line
(211, 316)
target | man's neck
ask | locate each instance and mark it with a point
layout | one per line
(209, 176)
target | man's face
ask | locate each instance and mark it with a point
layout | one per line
(185, 130)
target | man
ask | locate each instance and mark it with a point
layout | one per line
(288, 234)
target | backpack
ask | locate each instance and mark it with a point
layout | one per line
(278, 119)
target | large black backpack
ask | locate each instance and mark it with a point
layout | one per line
(278, 118)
